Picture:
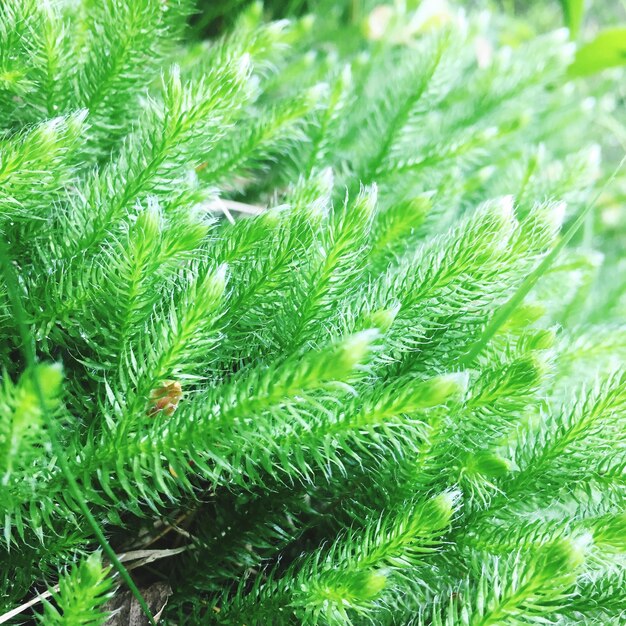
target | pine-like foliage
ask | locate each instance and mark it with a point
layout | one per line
(80, 596)
(321, 319)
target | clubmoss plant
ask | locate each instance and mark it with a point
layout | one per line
(317, 321)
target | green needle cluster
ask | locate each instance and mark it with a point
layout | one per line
(334, 305)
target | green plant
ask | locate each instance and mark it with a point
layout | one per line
(313, 315)
(80, 595)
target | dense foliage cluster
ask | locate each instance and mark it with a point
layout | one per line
(323, 318)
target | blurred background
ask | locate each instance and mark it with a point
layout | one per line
(212, 17)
